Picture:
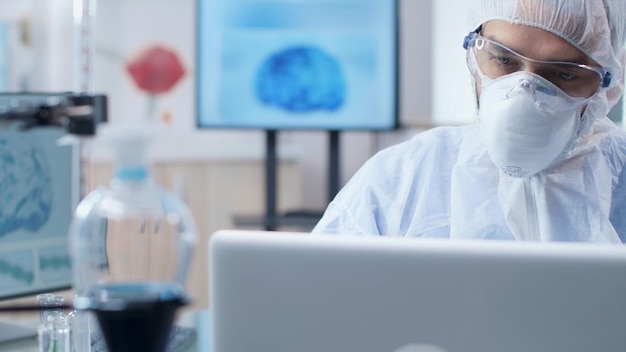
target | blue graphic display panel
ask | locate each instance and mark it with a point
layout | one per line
(4, 56)
(39, 190)
(307, 64)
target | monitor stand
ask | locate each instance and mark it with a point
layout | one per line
(12, 332)
(303, 219)
(299, 217)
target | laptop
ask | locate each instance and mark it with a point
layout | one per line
(288, 292)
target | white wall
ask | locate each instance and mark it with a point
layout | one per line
(41, 56)
(452, 95)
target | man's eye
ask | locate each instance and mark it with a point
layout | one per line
(565, 76)
(502, 60)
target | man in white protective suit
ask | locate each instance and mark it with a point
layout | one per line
(541, 161)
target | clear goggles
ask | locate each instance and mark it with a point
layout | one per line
(495, 60)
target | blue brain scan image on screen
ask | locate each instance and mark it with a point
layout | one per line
(39, 192)
(301, 79)
(25, 185)
(309, 64)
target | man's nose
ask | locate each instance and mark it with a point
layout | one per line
(532, 68)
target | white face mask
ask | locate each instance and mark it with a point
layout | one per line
(527, 122)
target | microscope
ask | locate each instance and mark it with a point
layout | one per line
(79, 114)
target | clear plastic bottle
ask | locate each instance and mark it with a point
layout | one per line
(131, 244)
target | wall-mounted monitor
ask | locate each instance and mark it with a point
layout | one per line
(306, 64)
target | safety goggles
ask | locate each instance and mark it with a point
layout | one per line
(495, 60)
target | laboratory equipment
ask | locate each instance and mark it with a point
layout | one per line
(131, 244)
(41, 189)
(52, 304)
(54, 334)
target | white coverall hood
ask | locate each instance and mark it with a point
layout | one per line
(597, 28)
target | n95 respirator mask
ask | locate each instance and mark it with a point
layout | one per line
(527, 122)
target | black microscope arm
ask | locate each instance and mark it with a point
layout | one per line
(78, 113)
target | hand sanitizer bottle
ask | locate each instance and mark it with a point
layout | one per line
(131, 244)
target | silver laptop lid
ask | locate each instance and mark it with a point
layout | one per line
(285, 292)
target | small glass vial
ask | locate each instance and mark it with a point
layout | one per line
(49, 300)
(54, 335)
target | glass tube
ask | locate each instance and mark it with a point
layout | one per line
(54, 335)
(84, 22)
(49, 300)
